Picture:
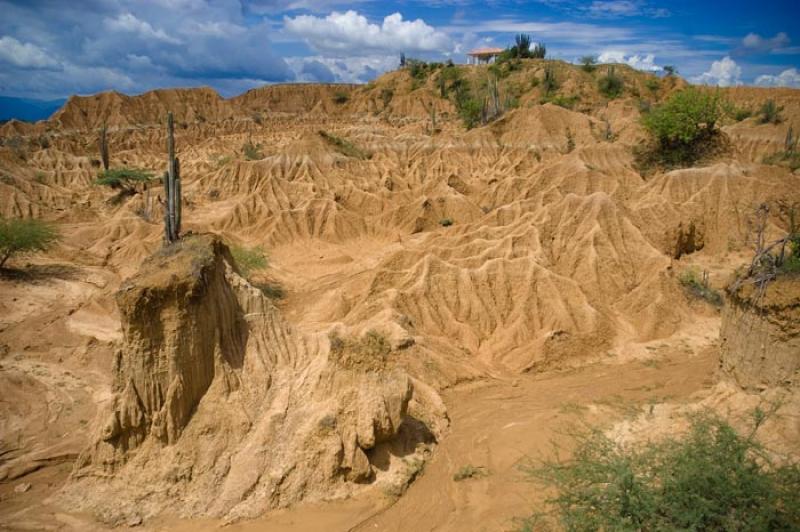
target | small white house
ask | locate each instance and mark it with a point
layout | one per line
(483, 55)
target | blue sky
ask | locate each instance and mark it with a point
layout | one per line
(53, 48)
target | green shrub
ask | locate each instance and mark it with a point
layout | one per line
(367, 352)
(446, 222)
(252, 152)
(790, 159)
(549, 82)
(570, 141)
(653, 84)
(417, 69)
(683, 126)
(709, 479)
(611, 84)
(249, 259)
(340, 97)
(123, 178)
(670, 70)
(770, 113)
(791, 262)
(739, 113)
(471, 112)
(692, 282)
(19, 236)
(588, 63)
(469, 471)
(386, 96)
(345, 147)
(271, 290)
(567, 102)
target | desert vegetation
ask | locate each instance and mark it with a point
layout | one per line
(588, 63)
(251, 151)
(469, 471)
(611, 84)
(20, 236)
(521, 49)
(683, 128)
(711, 478)
(770, 113)
(455, 261)
(249, 259)
(344, 146)
(696, 283)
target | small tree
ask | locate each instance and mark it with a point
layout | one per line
(684, 118)
(588, 63)
(670, 70)
(684, 126)
(25, 235)
(123, 179)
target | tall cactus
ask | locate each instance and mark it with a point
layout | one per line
(172, 187)
(103, 145)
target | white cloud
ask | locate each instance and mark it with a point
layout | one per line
(756, 43)
(129, 23)
(624, 8)
(723, 73)
(344, 69)
(349, 32)
(787, 78)
(25, 55)
(639, 62)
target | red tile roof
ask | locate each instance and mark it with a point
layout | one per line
(485, 51)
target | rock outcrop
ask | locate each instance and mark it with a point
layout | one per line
(220, 408)
(761, 335)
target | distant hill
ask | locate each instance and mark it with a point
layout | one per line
(27, 109)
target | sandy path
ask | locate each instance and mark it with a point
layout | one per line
(496, 425)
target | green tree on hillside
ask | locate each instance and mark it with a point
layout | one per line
(19, 236)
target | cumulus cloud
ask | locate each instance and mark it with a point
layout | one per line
(350, 32)
(357, 69)
(316, 71)
(754, 42)
(127, 22)
(723, 73)
(624, 8)
(787, 78)
(24, 55)
(133, 46)
(639, 62)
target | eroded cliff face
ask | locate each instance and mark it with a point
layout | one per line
(761, 335)
(220, 408)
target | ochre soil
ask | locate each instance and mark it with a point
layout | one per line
(552, 300)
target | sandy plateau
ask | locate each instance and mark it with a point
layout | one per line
(436, 298)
